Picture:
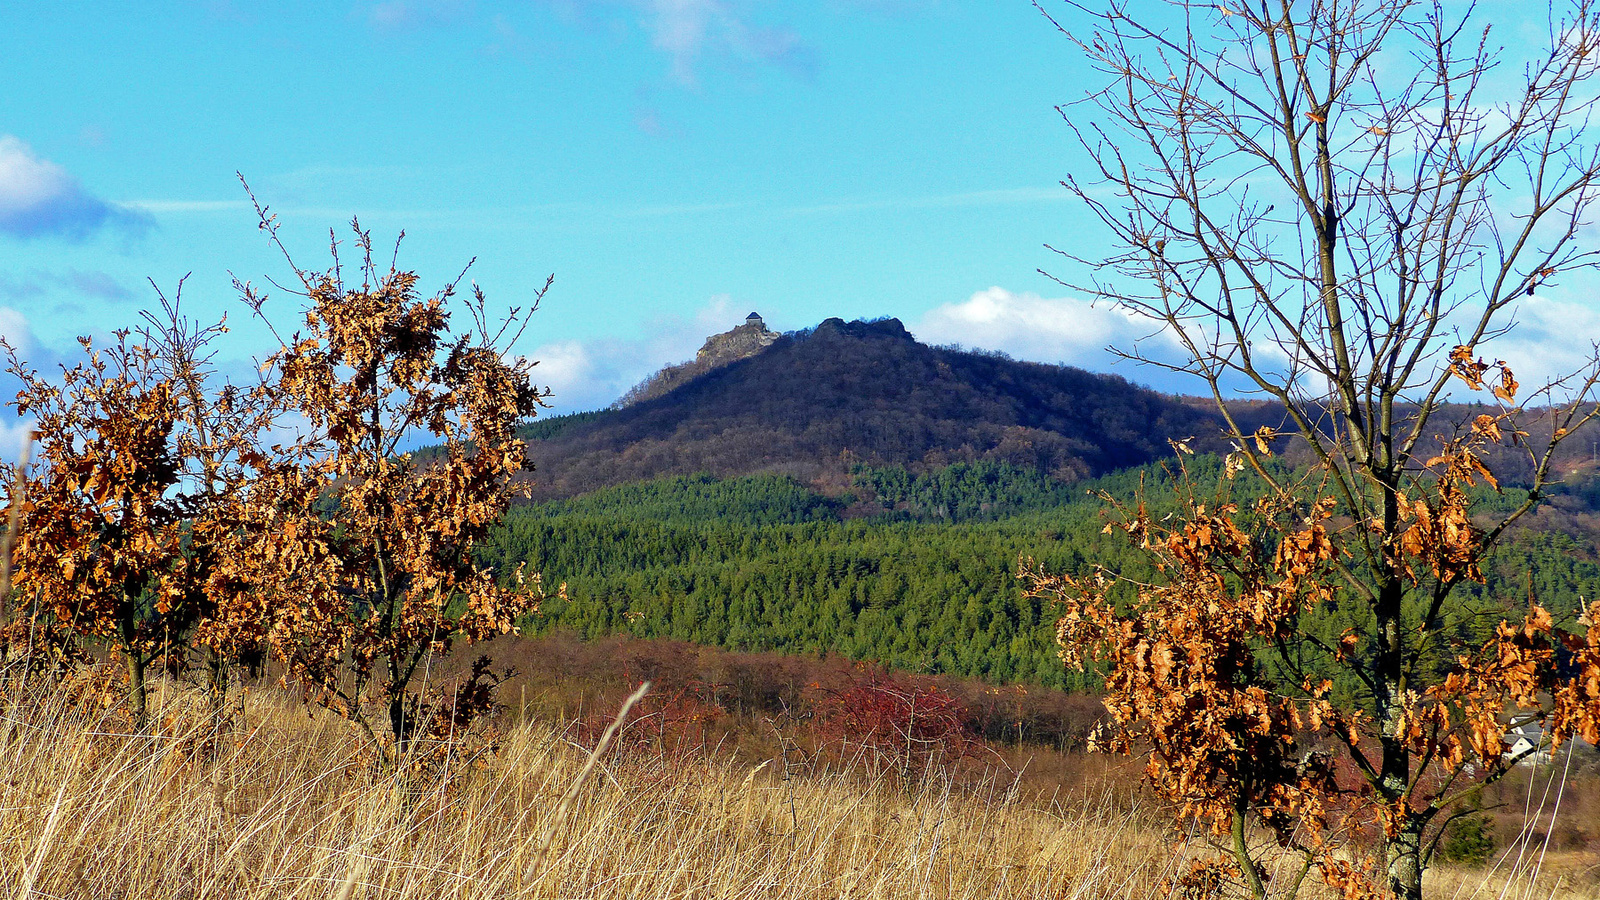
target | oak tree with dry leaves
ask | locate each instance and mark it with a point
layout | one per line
(375, 548)
(1336, 206)
(220, 438)
(176, 517)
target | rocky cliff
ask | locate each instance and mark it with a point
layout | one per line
(741, 342)
(731, 346)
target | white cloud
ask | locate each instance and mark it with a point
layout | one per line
(27, 181)
(1550, 339)
(13, 429)
(572, 375)
(14, 328)
(1044, 329)
(689, 32)
(13, 432)
(38, 197)
(717, 315)
(687, 29)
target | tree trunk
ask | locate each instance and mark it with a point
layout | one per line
(1241, 849)
(1403, 860)
(400, 725)
(1402, 854)
(218, 669)
(136, 689)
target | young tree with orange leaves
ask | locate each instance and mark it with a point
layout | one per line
(159, 522)
(384, 551)
(99, 550)
(1335, 206)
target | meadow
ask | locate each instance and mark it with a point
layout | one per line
(281, 800)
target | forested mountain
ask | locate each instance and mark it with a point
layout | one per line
(815, 403)
(849, 490)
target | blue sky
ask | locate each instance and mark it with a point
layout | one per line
(675, 163)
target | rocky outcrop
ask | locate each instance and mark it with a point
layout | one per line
(742, 342)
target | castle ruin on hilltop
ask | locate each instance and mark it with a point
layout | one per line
(740, 342)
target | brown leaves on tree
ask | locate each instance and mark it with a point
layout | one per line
(1465, 366)
(98, 551)
(1186, 677)
(1438, 529)
(1215, 677)
(390, 542)
(159, 522)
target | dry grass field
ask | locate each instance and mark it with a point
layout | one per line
(287, 806)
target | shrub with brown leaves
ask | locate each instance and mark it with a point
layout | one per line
(383, 546)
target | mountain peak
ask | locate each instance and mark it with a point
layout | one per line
(739, 342)
(863, 328)
(814, 402)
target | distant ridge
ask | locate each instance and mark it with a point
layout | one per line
(813, 403)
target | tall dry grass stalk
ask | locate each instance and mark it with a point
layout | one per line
(289, 808)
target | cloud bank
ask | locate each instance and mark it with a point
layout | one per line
(1048, 329)
(39, 198)
(1540, 346)
(1550, 339)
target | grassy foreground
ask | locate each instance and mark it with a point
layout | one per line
(287, 807)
